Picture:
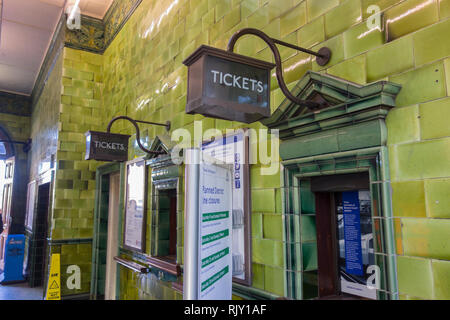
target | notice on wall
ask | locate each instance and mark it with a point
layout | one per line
(135, 206)
(233, 151)
(215, 229)
(358, 273)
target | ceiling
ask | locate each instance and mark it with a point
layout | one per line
(27, 27)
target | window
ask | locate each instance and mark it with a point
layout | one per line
(166, 212)
(166, 225)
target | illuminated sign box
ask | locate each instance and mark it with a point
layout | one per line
(103, 146)
(229, 86)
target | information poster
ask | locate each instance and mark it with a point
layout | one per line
(215, 229)
(30, 205)
(231, 150)
(352, 233)
(135, 206)
(357, 263)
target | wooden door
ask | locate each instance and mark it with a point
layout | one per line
(326, 245)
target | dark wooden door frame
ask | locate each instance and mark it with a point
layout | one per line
(326, 245)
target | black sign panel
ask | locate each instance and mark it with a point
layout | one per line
(229, 86)
(103, 146)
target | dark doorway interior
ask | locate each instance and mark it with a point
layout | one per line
(38, 249)
(168, 224)
(332, 236)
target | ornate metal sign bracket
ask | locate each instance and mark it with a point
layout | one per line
(323, 57)
(138, 134)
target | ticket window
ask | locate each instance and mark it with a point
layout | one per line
(167, 225)
(346, 261)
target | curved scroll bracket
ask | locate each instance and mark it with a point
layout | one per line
(138, 133)
(323, 57)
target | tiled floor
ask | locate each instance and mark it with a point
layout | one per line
(20, 291)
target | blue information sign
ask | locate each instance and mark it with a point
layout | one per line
(352, 233)
(15, 246)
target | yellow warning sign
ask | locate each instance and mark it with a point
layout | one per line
(54, 281)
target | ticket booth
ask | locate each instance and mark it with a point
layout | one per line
(337, 198)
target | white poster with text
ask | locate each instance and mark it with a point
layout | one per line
(215, 231)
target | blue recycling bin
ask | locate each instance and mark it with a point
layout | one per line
(14, 254)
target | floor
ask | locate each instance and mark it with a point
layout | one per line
(20, 291)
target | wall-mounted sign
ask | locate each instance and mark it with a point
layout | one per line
(225, 85)
(104, 146)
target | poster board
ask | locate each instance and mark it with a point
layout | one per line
(233, 150)
(215, 231)
(356, 245)
(135, 206)
(31, 197)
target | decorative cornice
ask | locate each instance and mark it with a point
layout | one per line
(96, 35)
(346, 103)
(116, 17)
(91, 36)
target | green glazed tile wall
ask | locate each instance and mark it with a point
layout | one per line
(80, 111)
(141, 75)
(74, 254)
(44, 122)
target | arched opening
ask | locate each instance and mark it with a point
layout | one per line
(6, 184)
(6, 148)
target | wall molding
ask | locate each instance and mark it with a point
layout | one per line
(53, 52)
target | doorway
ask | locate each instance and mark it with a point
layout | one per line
(39, 243)
(6, 199)
(113, 241)
(345, 252)
(108, 204)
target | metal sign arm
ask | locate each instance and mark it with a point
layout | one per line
(138, 135)
(323, 57)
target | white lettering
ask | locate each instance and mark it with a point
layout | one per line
(215, 75)
(374, 21)
(235, 81)
(260, 87)
(109, 145)
(245, 83)
(229, 84)
(253, 83)
(74, 281)
(373, 281)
